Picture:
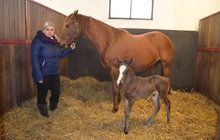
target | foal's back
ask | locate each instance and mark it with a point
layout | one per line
(147, 85)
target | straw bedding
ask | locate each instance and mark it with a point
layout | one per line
(84, 112)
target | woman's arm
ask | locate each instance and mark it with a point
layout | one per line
(67, 50)
(35, 54)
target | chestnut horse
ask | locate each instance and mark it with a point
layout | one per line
(141, 87)
(147, 49)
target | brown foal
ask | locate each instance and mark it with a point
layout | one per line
(141, 87)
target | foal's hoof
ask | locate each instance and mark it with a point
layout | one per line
(148, 123)
(114, 110)
(125, 132)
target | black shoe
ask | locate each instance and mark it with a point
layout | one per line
(53, 106)
(43, 110)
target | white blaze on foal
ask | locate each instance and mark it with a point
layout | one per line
(122, 68)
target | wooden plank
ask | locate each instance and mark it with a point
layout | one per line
(18, 77)
(216, 33)
(27, 19)
(6, 19)
(209, 31)
(2, 87)
(6, 83)
(203, 33)
(15, 19)
(1, 17)
(202, 72)
(30, 85)
(12, 77)
(214, 81)
(20, 20)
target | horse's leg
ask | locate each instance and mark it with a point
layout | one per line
(165, 68)
(128, 105)
(115, 94)
(115, 90)
(156, 103)
(165, 71)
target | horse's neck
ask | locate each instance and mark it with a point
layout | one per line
(99, 34)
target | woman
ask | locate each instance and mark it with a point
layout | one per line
(45, 54)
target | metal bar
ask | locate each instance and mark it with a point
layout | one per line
(14, 41)
(209, 49)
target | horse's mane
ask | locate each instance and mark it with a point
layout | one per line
(84, 20)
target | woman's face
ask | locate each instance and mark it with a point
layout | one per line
(49, 31)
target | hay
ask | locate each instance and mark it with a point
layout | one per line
(84, 112)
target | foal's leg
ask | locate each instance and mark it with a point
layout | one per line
(164, 92)
(167, 103)
(128, 105)
(156, 107)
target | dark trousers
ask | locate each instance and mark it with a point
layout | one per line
(51, 83)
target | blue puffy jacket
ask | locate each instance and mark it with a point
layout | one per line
(45, 54)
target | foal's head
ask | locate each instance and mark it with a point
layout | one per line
(125, 70)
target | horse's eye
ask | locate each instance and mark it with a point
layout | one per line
(67, 26)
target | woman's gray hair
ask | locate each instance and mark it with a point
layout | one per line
(48, 23)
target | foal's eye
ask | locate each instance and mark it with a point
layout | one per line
(125, 72)
(67, 26)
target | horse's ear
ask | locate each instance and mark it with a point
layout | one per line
(130, 61)
(76, 12)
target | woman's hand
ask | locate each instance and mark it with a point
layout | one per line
(73, 46)
(41, 81)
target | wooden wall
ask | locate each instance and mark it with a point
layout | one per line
(207, 72)
(20, 19)
(85, 60)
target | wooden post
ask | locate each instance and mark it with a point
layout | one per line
(217, 134)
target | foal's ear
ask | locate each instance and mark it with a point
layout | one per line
(130, 61)
(118, 60)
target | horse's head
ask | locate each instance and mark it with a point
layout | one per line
(125, 70)
(72, 29)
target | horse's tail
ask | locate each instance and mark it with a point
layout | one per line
(169, 92)
(169, 88)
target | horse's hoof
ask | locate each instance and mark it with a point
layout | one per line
(114, 110)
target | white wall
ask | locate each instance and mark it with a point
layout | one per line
(168, 14)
